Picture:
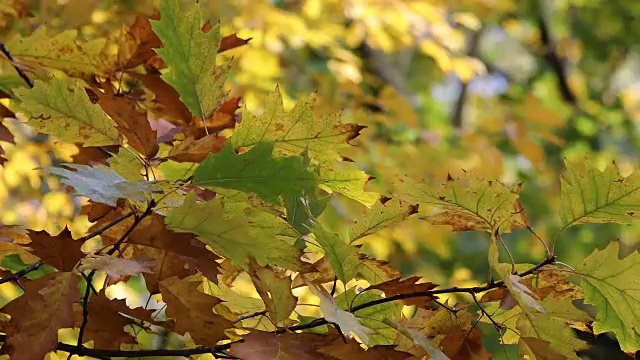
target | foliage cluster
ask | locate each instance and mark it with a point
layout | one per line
(224, 216)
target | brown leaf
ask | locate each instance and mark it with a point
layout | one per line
(260, 345)
(458, 221)
(60, 251)
(465, 344)
(167, 100)
(275, 291)
(115, 267)
(223, 118)
(193, 311)
(106, 325)
(137, 44)
(131, 122)
(399, 286)
(37, 315)
(152, 232)
(191, 150)
(352, 350)
(93, 155)
(231, 42)
(539, 348)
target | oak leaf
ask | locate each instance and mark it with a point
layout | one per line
(37, 315)
(61, 251)
(115, 267)
(193, 311)
(195, 151)
(409, 285)
(275, 291)
(259, 345)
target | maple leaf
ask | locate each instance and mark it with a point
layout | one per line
(233, 237)
(131, 122)
(190, 55)
(114, 267)
(106, 323)
(469, 203)
(193, 311)
(275, 291)
(343, 257)
(62, 108)
(136, 43)
(590, 195)
(60, 251)
(347, 322)
(102, 184)
(381, 216)
(62, 52)
(256, 171)
(612, 285)
(176, 254)
(32, 332)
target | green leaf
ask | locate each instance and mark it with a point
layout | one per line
(63, 109)
(381, 216)
(256, 171)
(469, 203)
(190, 55)
(126, 164)
(62, 51)
(295, 130)
(233, 237)
(612, 285)
(103, 185)
(346, 179)
(590, 195)
(343, 257)
(302, 211)
(373, 317)
(551, 326)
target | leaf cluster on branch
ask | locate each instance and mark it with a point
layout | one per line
(227, 194)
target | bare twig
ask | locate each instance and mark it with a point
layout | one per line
(14, 63)
(107, 226)
(17, 275)
(250, 316)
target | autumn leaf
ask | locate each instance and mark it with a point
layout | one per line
(114, 267)
(381, 216)
(231, 236)
(223, 118)
(101, 184)
(62, 108)
(230, 42)
(302, 211)
(191, 150)
(343, 257)
(167, 100)
(136, 44)
(409, 285)
(190, 55)
(347, 322)
(612, 285)
(193, 311)
(131, 122)
(60, 251)
(591, 195)
(469, 203)
(175, 254)
(256, 171)
(275, 291)
(61, 51)
(380, 333)
(32, 332)
(295, 130)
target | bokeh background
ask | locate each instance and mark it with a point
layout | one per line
(504, 89)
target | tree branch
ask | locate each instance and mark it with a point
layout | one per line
(16, 276)
(106, 227)
(105, 353)
(13, 62)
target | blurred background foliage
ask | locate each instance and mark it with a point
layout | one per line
(503, 89)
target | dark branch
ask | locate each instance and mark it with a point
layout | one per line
(107, 226)
(13, 62)
(249, 316)
(16, 276)
(106, 354)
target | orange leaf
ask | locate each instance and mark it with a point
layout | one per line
(191, 150)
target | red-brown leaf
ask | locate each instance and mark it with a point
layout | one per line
(60, 251)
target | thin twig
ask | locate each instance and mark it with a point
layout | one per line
(106, 353)
(14, 63)
(89, 278)
(549, 252)
(250, 316)
(107, 226)
(16, 276)
(484, 311)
